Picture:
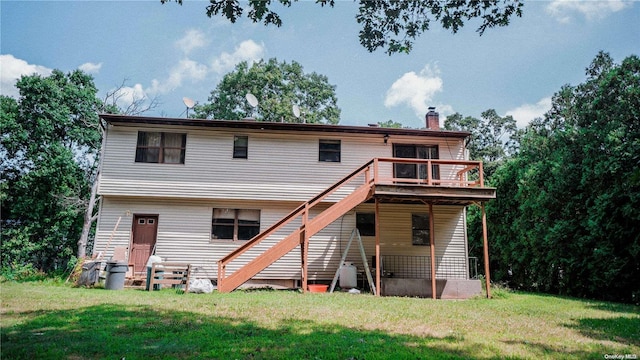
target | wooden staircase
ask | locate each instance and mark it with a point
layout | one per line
(301, 235)
(363, 184)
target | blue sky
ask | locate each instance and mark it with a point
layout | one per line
(172, 51)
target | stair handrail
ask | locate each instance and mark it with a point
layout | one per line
(294, 214)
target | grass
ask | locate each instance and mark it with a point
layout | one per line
(53, 321)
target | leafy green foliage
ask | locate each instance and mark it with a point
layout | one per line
(567, 217)
(49, 142)
(390, 124)
(493, 138)
(277, 86)
(395, 25)
(389, 24)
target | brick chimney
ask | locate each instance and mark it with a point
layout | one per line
(433, 119)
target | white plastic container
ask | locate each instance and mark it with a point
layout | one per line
(348, 276)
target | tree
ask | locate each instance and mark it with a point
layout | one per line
(49, 142)
(493, 138)
(49, 146)
(568, 215)
(277, 86)
(389, 24)
(390, 124)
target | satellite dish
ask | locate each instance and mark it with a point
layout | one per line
(296, 111)
(251, 99)
(189, 103)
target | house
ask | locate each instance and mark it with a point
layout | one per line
(266, 202)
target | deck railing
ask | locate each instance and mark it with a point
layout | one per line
(419, 267)
(449, 172)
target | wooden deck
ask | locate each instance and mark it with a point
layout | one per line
(437, 195)
(452, 184)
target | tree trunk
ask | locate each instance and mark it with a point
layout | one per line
(88, 219)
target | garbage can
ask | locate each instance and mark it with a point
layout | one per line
(153, 259)
(116, 271)
(90, 273)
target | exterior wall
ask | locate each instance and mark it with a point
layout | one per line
(280, 166)
(282, 170)
(184, 228)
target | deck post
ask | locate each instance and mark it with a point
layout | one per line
(304, 247)
(378, 261)
(432, 247)
(485, 245)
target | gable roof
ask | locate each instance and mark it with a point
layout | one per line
(277, 126)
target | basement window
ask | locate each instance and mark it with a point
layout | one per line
(366, 224)
(235, 224)
(420, 229)
(161, 147)
(329, 150)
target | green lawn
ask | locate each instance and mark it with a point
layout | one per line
(49, 321)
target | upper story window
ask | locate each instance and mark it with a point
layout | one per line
(329, 150)
(161, 147)
(235, 224)
(240, 147)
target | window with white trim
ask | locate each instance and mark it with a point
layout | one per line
(235, 224)
(329, 150)
(161, 147)
(240, 147)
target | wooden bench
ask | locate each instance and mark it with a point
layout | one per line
(170, 273)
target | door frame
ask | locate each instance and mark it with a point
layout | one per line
(134, 222)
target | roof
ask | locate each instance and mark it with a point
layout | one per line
(277, 126)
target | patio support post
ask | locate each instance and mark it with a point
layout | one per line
(432, 246)
(485, 245)
(304, 249)
(378, 261)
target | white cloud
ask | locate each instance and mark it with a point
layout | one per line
(185, 70)
(590, 9)
(191, 70)
(416, 90)
(523, 114)
(248, 50)
(90, 68)
(127, 95)
(192, 39)
(12, 68)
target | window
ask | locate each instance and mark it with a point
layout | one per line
(235, 224)
(420, 229)
(161, 147)
(329, 150)
(366, 224)
(240, 147)
(415, 171)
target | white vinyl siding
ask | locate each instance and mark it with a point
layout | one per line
(282, 166)
(281, 171)
(184, 229)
